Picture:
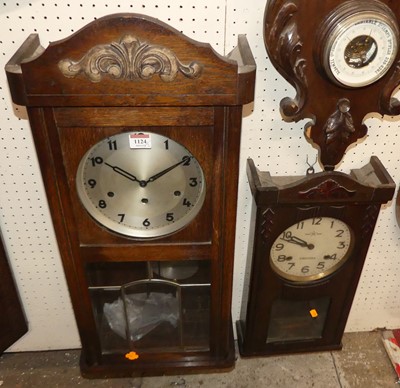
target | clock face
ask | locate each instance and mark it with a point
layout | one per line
(311, 249)
(361, 48)
(141, 184)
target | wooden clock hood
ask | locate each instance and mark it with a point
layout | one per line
(103, 63)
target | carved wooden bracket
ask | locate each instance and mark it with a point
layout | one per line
(129, 59)
(295, 42)
(285, 50)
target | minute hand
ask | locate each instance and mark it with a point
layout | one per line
(163, 172)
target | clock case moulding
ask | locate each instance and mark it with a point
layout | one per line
(294, 35)
(282, 201)
(129, 71)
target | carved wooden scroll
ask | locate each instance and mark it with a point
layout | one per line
(129, 59)
(297, 38)
(285, 49)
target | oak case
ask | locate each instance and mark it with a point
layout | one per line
(165, 83)
(282, 313)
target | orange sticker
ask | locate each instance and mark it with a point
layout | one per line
(132, 356)
(314, 313)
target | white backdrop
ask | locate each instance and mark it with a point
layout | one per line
(275, 146)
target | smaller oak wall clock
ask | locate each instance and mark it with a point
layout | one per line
(137, 130)
(311, 237)
(343, 62)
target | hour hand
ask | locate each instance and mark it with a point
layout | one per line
(298, 241)
(124, 173)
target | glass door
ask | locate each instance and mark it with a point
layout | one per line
(151, 306)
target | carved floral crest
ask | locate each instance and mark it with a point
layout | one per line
(129, 59)
(327, 189)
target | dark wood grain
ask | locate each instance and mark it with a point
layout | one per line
(280, 202)
(294, 37)
(190, 94)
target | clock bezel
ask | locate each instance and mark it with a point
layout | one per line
(122, 229)
(323, 274)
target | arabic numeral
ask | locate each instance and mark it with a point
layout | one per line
(92, 183)
(169, 217)
(121, 217)
(96, 160)
(279, 247)
(186, 160)
(321, 265)
(317, 221)
(102, 204)
(330, 257)
(146, 223)
(305, 269)
(186, 202)
(339, 233)
(193, 182)
(281, 258)
(287, 235)
(112, 145)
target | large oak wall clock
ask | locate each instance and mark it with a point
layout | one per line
(137, 129)
(342, 57)
(311, 236)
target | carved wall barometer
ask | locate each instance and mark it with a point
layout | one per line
(343, 62)
(137, 130)
(358, 43)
